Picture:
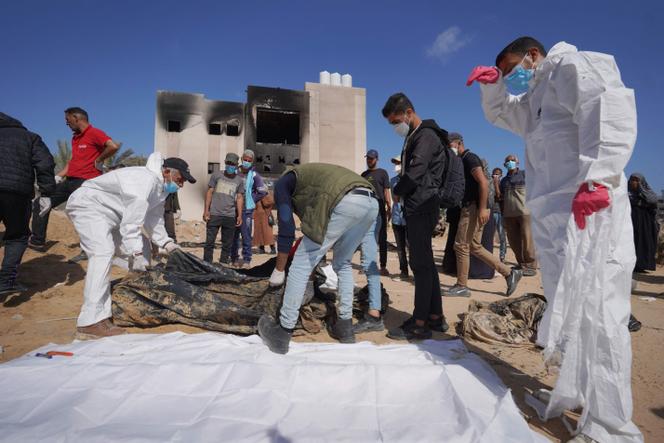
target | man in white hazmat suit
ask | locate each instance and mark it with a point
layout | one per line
(110, 213)
(579, 123)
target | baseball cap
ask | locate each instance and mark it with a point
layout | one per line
(455, 136)
(180, 165)
(232, 158)
(372, 153)
(396, 160)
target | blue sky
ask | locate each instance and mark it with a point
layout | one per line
(111, 57)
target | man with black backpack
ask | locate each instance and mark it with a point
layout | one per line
(423, 161)
(475, 214)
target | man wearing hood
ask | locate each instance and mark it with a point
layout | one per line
(24, 156)
(423, 161)
(579, 123)
(109, 213)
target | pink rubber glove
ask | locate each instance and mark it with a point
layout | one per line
(587, 202)
(483, 74)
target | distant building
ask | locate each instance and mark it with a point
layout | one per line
(324, 123)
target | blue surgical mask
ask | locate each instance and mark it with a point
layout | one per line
(517, 80)
(511, 164)
(170, 187)
(231, 169)
(246, 165)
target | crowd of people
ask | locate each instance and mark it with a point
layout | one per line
(573, 222)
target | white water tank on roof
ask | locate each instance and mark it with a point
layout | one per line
(324, 78)
(347, 80)
(335, 79)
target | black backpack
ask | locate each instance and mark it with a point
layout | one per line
(453, 184)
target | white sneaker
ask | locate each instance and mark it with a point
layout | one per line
(277, 278)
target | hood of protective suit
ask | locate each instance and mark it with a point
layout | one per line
(155, 163)
(553, 57)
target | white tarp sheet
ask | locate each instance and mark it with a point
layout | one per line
(215, 387)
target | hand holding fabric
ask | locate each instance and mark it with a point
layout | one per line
(587, 201)
(44, 205)
(171, 246)
(483, 74)
(138, 263)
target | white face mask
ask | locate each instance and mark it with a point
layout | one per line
(397, 168)
(402, 129)
(456, 151)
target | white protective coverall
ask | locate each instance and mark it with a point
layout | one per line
(109, 213)
(579, 123)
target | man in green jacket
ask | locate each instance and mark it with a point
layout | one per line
(336, 208)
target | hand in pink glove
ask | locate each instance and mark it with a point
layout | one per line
(587, 202)
(483, 74)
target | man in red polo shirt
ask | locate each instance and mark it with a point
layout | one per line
(89, 148)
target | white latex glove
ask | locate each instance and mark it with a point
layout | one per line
(177, 215)
(171, 246)
(44, 205)
(277, 278)
(138, 263)
(58, 179)
(99, 166)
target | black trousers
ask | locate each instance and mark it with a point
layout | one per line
(169, 224)
(15, 214)
(61, 194)
(401, 238)
(227, 226)
(419, 228)
(382, 234)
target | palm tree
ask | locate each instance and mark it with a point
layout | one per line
(125, 158)
(63, 155)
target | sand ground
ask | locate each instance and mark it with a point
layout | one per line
(47, 314)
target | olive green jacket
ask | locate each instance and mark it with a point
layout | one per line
(319, 188)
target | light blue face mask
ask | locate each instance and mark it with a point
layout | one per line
(511, 164)
(170, 187)
(246, 165)
(517, 80)
(231, 169)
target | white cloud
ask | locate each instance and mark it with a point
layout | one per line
(448, 42)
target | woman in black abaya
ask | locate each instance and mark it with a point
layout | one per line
(644, 211)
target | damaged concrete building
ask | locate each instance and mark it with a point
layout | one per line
(324, 123)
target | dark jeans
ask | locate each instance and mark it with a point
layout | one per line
(61, 194)
(169, 224)
(401, 239)
(15, 214)
(244, 231)
(227, 225)
(428, 301)
(382, 234)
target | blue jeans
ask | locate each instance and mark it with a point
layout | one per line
(369, 250)
(498, 219)
(348, 225)
(245, 231)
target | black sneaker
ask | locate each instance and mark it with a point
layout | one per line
(368, 323)
(439, 325)
(261, 250)
(457, 291)
(10, 287)
(512, 281)
(39, 247)
(342, 330)
(275, 336)
(410, 331)
(273, 250)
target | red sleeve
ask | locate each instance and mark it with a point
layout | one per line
(101, 138)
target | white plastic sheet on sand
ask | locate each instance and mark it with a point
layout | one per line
(214, 387)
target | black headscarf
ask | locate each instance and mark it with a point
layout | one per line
(644, 192)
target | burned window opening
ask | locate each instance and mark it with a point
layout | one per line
(173, 126)
(213, 167)
(277, 126)
(232, 129)
(214, 129)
